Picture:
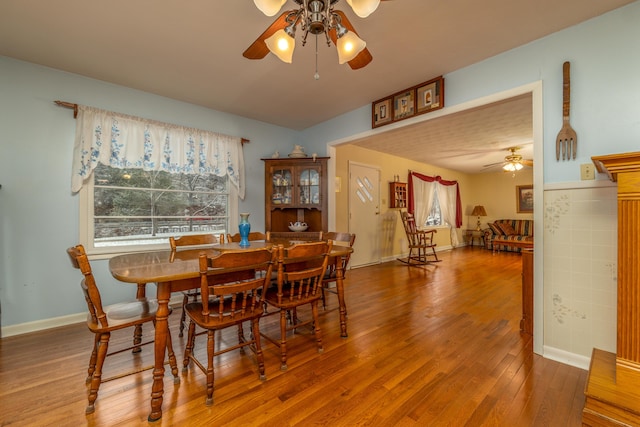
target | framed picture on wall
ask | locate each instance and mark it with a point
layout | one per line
(382, 113)
(404, 105)
(430, 96)
(524, 198)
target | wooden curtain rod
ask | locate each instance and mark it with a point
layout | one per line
(74, 107)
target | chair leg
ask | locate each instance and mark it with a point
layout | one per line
(316, 325)
(255, 333)
(283, 340)
(241, 338)
(141, 292)
(172, 359)
(324, 300)
(183, 316)
(210, 375)
(93, 358)
(96, 379)
(137, 339)
(191, 338)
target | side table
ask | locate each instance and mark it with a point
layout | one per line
(470, 236)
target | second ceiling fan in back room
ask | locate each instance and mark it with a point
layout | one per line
(512, 162)
(314, 17)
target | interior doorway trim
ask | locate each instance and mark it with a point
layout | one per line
(535, 89)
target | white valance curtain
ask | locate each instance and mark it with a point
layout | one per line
(123, 141)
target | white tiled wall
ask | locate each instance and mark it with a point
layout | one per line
(580, 269)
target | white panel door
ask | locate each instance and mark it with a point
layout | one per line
(364, 213)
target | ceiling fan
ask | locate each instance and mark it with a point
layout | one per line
(315, 17)
(513, 162)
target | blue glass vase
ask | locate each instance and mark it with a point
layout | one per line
(244, 228)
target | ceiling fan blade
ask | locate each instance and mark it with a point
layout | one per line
(258, 48)
(527, 162)
(364, 57)
(490, 165)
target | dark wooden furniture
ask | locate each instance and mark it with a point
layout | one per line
(253, 236)
(330, 276)
(191, 240)
(175, 271)
(525, 244)
(300, 271)
(613, 386)
(296, 190)
(103, 320)
(422, 249)
(526, 323)
(397, 195)
(228, 304)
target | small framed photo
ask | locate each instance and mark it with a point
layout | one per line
(430, 95)
(524, 198)
(404, 105)
(382, 113)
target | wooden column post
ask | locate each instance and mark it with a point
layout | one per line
(613, 387)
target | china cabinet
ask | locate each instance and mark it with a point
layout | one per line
(397, 195)
(296, 190)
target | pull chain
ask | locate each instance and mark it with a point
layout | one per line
(316, 75)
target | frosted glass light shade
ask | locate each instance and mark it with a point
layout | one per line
(512, 167)
(363, 8)
(349, 46)
(281, 45)
(269, 7)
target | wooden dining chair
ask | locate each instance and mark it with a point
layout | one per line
(422, 248)
(253, 236)
(192, 240)
(300, 271)
(232, 287)
(103, 320)
(330, 276)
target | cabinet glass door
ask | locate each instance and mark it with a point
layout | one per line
(309, 185)
(281, 180)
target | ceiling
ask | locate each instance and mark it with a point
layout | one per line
(191, 51)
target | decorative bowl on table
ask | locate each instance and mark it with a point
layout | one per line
(298, 226)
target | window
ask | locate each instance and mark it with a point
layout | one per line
(435, 217)
(124, 210)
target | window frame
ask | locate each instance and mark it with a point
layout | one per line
(86, 224)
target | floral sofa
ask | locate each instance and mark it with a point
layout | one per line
(508, 229)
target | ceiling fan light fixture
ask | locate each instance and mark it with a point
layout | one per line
(363, 8)
(509, 167)
(281, 44)
(269, 7)
(349, 46)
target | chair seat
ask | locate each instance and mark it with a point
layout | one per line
(126, 313)
(213, 321)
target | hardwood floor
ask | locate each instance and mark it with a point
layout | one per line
(435, 346)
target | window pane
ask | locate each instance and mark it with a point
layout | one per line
(134, 207)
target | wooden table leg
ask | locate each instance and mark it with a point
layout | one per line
(341, 303)
(160, 346)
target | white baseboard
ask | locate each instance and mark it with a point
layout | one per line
(567, 358)
(54, 322)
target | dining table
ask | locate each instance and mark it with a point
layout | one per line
(174, 271)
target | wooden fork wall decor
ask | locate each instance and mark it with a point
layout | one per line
(567, 140)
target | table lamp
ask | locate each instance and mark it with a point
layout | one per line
(479, 211)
